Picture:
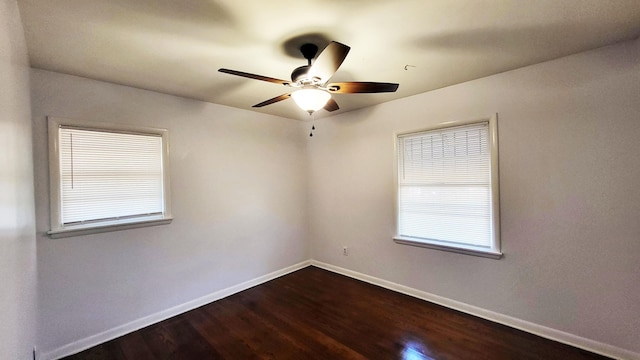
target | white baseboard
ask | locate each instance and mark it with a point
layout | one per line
(543, 331)
(116, 332)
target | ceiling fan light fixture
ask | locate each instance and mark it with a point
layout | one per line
(310, 99)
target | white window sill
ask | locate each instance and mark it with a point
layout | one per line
(468, 250)
(114, 226)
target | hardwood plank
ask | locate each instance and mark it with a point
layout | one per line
(134, 346)
(316, 314)
(176, 339)
(216, 333)
(321, 345)
(107, 351)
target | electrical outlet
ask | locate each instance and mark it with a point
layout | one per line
(345, 251)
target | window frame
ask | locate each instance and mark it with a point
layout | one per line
(494, 252)
(57, 228)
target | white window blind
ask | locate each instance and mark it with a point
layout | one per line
(106, 177)
(445, 187)
(109, 175)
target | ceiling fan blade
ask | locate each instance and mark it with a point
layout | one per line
(361, 87)
(328, 62)
(273, 100)
(331, 105)
(254, 76)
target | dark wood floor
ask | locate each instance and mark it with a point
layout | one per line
(316, 314)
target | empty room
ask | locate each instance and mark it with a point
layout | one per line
(217, 179)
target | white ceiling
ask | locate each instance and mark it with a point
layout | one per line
(176, 46)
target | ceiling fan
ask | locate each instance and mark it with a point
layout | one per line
(310, 87)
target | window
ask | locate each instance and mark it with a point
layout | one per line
(105, 177)
(447, 188)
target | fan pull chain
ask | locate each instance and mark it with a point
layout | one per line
(313, 120)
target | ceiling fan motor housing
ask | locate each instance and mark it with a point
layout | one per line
(300, 73)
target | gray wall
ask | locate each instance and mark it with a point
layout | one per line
(238, 183)
(569, 135)
(17, 240)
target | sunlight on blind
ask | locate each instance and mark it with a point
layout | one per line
(444, 185)
(109, 175)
